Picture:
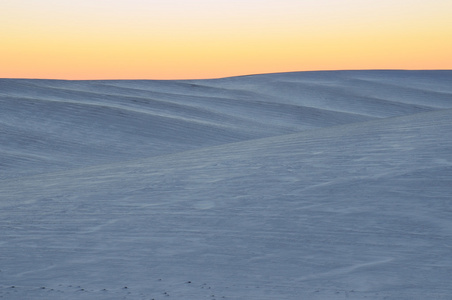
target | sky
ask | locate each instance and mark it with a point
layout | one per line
(193, 39)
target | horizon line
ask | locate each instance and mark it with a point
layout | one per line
(226, 77)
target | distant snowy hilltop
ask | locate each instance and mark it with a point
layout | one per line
(308, 185)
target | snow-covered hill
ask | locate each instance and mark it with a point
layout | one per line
(310, 185)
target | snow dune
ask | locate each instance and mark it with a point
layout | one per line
(310, 185)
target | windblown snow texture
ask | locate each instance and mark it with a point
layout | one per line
(311, 185)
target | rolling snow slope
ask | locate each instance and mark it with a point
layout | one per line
(311, 185)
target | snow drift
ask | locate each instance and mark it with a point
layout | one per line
(311, 185)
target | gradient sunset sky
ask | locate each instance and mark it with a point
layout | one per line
(183, 39)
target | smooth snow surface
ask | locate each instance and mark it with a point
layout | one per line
(311, 185)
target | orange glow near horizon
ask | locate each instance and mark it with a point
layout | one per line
(173, 39)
